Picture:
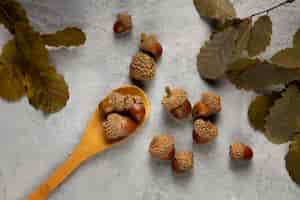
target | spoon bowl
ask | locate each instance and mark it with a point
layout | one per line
(91, 143)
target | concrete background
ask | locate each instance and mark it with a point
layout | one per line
(32, 144)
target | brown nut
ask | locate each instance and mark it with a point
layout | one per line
(162, 147)
(176, 103)
(239, 151)
(117, 127)
(137, 111)
(123, 23)
(151, 45)
(183, 161)
(209, 105)
(142, 67)
(204, 131)
(119, 103)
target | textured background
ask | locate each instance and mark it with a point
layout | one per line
(32, 144)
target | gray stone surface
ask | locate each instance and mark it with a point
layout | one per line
(32, 144)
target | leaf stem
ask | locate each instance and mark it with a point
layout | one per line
(273, 7)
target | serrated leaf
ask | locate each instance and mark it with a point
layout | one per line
(284, 118)
(220, 10)
(68, 37)
(11, 82)
(255, 74)
(288, 58)
(47, 90)
(216, 54)
(260, 37)
(259, 109)
(292, 160)
(296, 41)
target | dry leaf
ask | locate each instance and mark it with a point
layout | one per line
(216, 54)
(292, 160)
(47, 90)
(255, 74)
(296, 41)
(259, 109)
(219, 10)
(68, 37)
(11, 82)
(284, 118)
(288, 58)
(260, 36)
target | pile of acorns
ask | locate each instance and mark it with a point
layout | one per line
(176, 103)
(122, 114)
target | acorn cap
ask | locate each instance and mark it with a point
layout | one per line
(204, 131)
(175, 98)
(162, 147)
(183, 161)
(117, 127)
(142, 67)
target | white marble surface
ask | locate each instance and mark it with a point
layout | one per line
(32, 145)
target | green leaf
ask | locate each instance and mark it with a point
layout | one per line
(255, 74)
(68, 37)
(260, 37)
(47, 90)
(259, 109)
(288, 58)
(216, 54)
(292, 160)
(219, 10)
(11, 82)
(296, 41)
(284, 118)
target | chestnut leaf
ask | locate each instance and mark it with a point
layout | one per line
(292, 160)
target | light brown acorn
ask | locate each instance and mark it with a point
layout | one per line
(204, 131)
(183, 161)
(209, 105)
(176, 102)
(162, 147)
(151, 45)
(125, 104)
(117, 127)
(239, 151)
(123, 23)
(142, 67)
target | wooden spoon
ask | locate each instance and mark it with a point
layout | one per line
(91, 143)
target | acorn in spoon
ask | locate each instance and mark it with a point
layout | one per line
(117, 117)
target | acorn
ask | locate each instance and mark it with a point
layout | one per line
(176, 103)
(239, 151)
(117, 127)
(209, 105)
(183, 161)
(151, 45)
(120, 103)
(123, 23)
(204, 131)
(142, 67)
(162, 147)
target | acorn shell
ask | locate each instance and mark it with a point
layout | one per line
(142, 67)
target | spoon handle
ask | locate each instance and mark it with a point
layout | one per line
(77, 157)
